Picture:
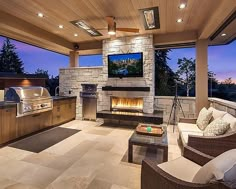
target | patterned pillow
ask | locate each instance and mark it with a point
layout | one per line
(216, 127)
(203, 118)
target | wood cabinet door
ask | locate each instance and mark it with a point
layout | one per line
(28, 124)
(63, 111)
(72, 109)
(56, 114)
(8, 124)
(45, 119)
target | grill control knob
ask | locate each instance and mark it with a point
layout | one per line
(43, 105)
(28, 108)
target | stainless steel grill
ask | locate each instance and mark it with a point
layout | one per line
(89, 91)
(30, 100)
(89, 96)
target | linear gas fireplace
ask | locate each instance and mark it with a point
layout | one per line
(126, 104)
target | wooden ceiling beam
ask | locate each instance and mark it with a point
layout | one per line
(175, 38)
(224, 10)
(15, 23)
(90, 45)
(90, 52)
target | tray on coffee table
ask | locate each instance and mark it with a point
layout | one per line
(149, 129)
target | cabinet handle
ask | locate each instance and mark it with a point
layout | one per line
(58, 116)
(36, 115)
(8, 110)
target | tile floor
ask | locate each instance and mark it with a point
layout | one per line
(95, 158)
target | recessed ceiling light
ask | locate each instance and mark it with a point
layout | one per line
(61, 26)
(179, 20)
(223, 34)
(182, 5)
(40, 15)
(75, 34)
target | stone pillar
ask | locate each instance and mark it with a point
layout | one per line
(74, 61)
(201, 75)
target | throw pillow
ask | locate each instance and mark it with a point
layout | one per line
(216, 127)
(216, 113)
(231, 120)
(203, 118)
(217, 168)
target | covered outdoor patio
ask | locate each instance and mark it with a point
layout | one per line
(97, 155)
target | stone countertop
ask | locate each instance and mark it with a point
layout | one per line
(62, 97)
(4, 104)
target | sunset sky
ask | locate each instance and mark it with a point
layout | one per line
(221, 59)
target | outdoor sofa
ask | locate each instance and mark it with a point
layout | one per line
(191, 135)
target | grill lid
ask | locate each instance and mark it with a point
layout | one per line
(18, 94)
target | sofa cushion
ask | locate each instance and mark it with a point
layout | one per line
(230, 177)
(217, 168)
(175, 168)
(182, 127)
(203, 118)
(216, 127)
(184, 135)
(216, 113)
(232, 121)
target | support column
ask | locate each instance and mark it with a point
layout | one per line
(201, 75)
(74, 61)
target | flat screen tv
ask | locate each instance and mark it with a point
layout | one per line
(125, 65)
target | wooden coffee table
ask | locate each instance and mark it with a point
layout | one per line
(156, 142)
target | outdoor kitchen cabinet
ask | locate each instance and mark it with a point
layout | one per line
(56, 113)
(28, 124)
(13, 127)
(32, 123)
(8, 124)
(63, 111)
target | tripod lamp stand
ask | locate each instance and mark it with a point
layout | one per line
(176, 104)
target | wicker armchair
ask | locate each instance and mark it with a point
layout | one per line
(153, 177)
(213, 146)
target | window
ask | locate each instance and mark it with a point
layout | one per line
(175, 66)
(222, 63)
(90, 60)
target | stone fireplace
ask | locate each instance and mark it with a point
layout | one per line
(72, 78)
(126, 104)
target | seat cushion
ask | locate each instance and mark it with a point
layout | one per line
(181, 168)
(216, 113)
(183, 127)
(204, 118)
(216, 127)
(231, 120)
(217, 169)
(230, 177)
(184, 135)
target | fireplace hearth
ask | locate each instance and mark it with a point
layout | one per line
(126, 104)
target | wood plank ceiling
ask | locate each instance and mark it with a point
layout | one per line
(44, 32)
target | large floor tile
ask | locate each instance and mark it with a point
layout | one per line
(14, 153)
(4, 183)
(21, 186)
(121, 175)
(96, 157)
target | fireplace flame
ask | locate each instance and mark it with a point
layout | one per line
(127, 103)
